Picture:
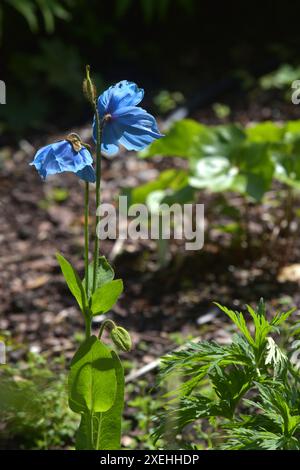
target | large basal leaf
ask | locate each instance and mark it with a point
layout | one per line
(92, 379)
(105, 273)
(73, 281)
(106, 296)
(106, 427)
(84, 439)
(109, 430)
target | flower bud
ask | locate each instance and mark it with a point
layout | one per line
(121, 338)
(89, 88)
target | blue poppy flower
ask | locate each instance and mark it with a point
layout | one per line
(64, 156)
(123, 121)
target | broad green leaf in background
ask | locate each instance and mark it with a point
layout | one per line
(105, 273)
(255, 164)
(224, 140)
(172, 180)
(291, 131)
(256, 186)
(182, 140)
(280, 78)
(92, 381)
(183, 195)
(287, 163)
(223, 158)
(106, 296)
(266, 131)
(107, 425)
(73, 281)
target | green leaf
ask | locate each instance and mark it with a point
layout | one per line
(92, 379)
(255, 164)
(291, 130)
(73, 281)
(109, 424)
(275, 357)
(224, 142)
(287, 163)
(105, 273)
(282, 317)
(266, 131)
(214, 167)
(106, 296)
(106, 426)
(239, 320)
(213, 173)
(171, 180)
(83, 435)
(262, 327)
(182, 140)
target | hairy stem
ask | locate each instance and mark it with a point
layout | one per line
(86, 257)
(88, 325)
(98, 181)
(105, 324)
(86, 236)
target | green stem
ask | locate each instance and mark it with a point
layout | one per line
(98, 181)
(86, 257)
(105, 324)
(86, 236)
(88, 325)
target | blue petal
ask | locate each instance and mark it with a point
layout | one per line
(110, 137)
(121, 94)
(40, 156)
(110, 149)
(136, 142)
(138, 128)
(109, 144)
(45, 162)
(87, 174)
(59, 157)
(69, 159)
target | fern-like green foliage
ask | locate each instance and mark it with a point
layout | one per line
(246, 392)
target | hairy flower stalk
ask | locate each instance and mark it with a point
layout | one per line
(86, 253)
(98, 189)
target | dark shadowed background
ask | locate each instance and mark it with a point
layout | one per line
(178, 45)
